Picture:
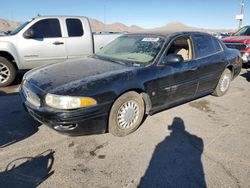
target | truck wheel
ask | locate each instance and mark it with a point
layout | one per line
(126, 114)
(7, 72)
(223, 84)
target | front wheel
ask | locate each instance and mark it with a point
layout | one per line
(223, 84)
(7, 72)
(126, 114)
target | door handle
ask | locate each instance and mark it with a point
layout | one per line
(58, 43)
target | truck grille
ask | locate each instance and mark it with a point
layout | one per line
(238, 46)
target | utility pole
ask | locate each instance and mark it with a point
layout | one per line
(242, 4)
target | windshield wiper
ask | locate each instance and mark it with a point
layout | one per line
(110, 59)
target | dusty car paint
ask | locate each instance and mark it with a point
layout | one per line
(161, 85)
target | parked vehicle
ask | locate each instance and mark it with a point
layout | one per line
(240, 41)
(134, 75)
(45, 40)
(221, 35)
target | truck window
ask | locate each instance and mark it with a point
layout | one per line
(205, 45)
(47, 28)
(74, 27)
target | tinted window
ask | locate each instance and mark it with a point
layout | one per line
(74, 27)
(47, 28)
(206, 45)
(216, 43)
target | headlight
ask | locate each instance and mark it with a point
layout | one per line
(68, 102)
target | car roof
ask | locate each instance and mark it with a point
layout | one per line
(168, 33)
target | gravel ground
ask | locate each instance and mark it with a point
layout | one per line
(204, 143)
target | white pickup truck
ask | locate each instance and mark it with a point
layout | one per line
(45, 40)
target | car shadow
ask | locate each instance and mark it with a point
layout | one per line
(176, 161)
(28, 171)
(15, 123)
(246, 75)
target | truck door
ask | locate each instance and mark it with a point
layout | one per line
(79, 39)
(44, 45)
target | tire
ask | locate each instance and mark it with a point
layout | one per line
(223, 84)
(7, 72)
(132, 106)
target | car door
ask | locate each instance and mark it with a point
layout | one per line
(210, 56)
(79, 40)
(177, 81)
(45, 46)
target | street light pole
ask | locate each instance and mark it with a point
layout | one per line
(241, 12)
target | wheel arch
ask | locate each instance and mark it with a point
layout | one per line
(144, 95)
(231, 68)
(9, 57)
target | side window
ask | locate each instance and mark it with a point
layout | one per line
(181, 46)
(217, 46)
(48, 28)
(206, 45)
(74, 27)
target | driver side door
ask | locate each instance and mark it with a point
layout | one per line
(45, 46)
(177, 82)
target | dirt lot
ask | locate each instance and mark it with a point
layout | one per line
(202, 143)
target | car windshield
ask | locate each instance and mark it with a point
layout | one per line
(19, 28)
(245, 31)
(135, 49)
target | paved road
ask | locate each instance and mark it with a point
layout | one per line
(198, 144)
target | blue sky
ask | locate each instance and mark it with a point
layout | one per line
(148, 14)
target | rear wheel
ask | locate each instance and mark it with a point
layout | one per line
(126, 114)
(7, 72)
(223, 84)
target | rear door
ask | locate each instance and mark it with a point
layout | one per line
(79, 39)
(211, 57)
(47, 46)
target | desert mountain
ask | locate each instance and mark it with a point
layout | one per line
(6, 25)
(177, 26)
(98, 26)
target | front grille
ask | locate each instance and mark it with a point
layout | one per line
(238, 46)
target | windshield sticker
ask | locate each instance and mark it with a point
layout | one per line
(150, 39)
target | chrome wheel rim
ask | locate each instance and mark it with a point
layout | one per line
(4, 73)
(225, 83)
(128, 114)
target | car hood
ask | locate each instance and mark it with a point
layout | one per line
(239, 39)
(72, 73)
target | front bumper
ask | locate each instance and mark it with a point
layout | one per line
(91, 120)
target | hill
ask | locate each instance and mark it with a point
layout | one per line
(98, 26)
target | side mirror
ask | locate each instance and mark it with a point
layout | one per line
(173, 58)
(29, 34)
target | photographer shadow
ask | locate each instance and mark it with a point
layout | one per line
(176, 161)
(28, 171)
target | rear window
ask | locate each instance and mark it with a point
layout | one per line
(74, 27)
(206, 45)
